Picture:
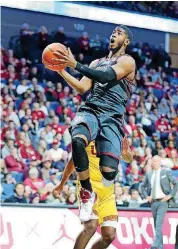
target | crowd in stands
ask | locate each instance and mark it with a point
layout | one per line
(37, 107)
(159, 8)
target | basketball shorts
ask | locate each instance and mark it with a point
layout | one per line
(105, 130)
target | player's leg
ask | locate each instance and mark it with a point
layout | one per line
(109, 169)
(108, 217)
(80, 139)
(109, 146)
(107, 236)
(84, 129)
(88, 231)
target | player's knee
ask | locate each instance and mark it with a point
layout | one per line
(109, 170)
(79, 154)
(90, 228)
(109, 236)
(109, 176)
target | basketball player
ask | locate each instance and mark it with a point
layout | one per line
(104, 209)
(110, 81)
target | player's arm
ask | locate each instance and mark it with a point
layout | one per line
(125, 65)
(81, 86)
(126, 153)
(69, 169)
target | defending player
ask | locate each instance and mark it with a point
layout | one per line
(104, 210)
(110, 81)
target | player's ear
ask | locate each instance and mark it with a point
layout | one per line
(127, 42)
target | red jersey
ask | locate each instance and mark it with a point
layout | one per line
(58, 128)
(38, 115)
(29, 153)
(162, 125)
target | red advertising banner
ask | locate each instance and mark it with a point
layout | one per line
(58, 228)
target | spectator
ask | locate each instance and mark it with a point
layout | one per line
(35, 76)
(59, 36)
(6, 150)
(165, 162)
(53, 177)
(118, 195)
(46, 169)
(26, 39)
(163, 126)
(28, 152)
(163, 107)
(50, 199)
(174, 158)
(37, 114)
(9, 179)
(62, 163)
(55, 152)
(43, 38)
(18, 197)
(28, 193)
(135, 200)
(14, 118)
(33, 181)
(49, 118)
(169, 148)
(158, 147)
(49, 134)
(14, 163)
(11, 128)
(42, 148)
(3, 171)
(96, 46)
(56, 126)
(83, 42)
(27, 116)
(22, 88)
(131, 124)
(126, 196)
(134, 176)
(35, 198)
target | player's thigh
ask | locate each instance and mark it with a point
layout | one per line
(85, 124)
(109, 140)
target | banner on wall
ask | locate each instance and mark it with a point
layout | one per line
(48, 228)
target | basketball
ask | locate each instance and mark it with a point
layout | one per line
(48, 55)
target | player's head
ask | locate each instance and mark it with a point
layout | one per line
(120, 37)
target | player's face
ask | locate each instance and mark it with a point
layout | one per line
(117, 39)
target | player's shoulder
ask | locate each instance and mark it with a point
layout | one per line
(126, 58)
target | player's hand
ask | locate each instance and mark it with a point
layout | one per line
(125, 145)
(65, 58)
(57, 191)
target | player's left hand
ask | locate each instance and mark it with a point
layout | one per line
(65, 58)
(125, 145)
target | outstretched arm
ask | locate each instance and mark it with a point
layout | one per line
(81, 86)
(69, 169)
(125, 66)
